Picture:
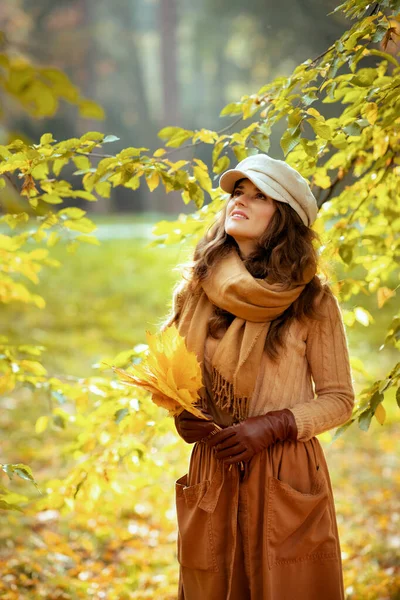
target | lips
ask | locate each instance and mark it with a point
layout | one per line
(239, 214)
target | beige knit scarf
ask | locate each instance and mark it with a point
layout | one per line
(255, 303)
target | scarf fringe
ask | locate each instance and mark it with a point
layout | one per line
(202, 402)
(225, 398)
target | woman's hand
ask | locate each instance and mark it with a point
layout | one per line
(191, 428)
(241, 441)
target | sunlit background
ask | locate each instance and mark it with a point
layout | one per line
(149, 64)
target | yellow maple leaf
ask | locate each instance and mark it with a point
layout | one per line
(169, 371)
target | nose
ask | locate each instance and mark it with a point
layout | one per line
(242, 199)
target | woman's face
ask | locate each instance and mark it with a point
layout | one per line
(258, 209)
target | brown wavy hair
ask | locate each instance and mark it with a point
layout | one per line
(283, 252)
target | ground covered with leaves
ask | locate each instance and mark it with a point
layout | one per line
(115, 537)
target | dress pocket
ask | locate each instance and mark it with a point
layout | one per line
(195, 545)
(300, 526)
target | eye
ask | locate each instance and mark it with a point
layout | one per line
(260, 195)
(236, 192)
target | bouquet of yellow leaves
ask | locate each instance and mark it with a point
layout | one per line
(169, 372)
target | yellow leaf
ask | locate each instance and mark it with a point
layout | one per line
(153, 180)
(89, 239)
(90, 110)
(53, 239)
(370, 112)
(32, 366)
(363, 316)
(7, 383)
(169, 371)
(8, 243)
(380, 413)
(203, 178)
(39, 235)
(41, 424)
(82, 225)
(322, 180)
(314, 113)
(384, 294)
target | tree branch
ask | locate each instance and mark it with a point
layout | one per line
(174, 150)
(221, 131)
(334, 184)
(14, 185)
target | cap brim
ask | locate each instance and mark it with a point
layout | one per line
(229, 178)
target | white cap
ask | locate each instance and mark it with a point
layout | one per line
(276, 179)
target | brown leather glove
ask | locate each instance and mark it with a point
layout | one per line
(241, 441)
(191, 428)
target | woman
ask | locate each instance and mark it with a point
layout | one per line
(256, 515)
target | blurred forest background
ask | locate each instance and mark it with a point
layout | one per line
(104, 526)
(152, 63)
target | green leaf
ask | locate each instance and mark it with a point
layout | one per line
(309, 97)
(110, 138)
(23, 471)
(364, 77)
(6, 506)
(290, 139)
(321, 129)
(346, 253)
(310, 148)
(340, 431)
(234, 108)
(376, 399)
(121, 414)
(221, 165)
(59, 421)
(353, 129)
(380, 32)
(364, 419)
(58, 396)
(261, 141)
(196, 194)
(46, 138)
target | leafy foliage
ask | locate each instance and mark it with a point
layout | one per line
(40, 89)
(168, 371)
(115, 533)
(347, 144)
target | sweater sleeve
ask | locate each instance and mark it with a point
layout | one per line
(328, 358)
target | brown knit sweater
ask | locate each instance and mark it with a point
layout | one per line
(311, 377)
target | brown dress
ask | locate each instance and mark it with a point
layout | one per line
(272, 535)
